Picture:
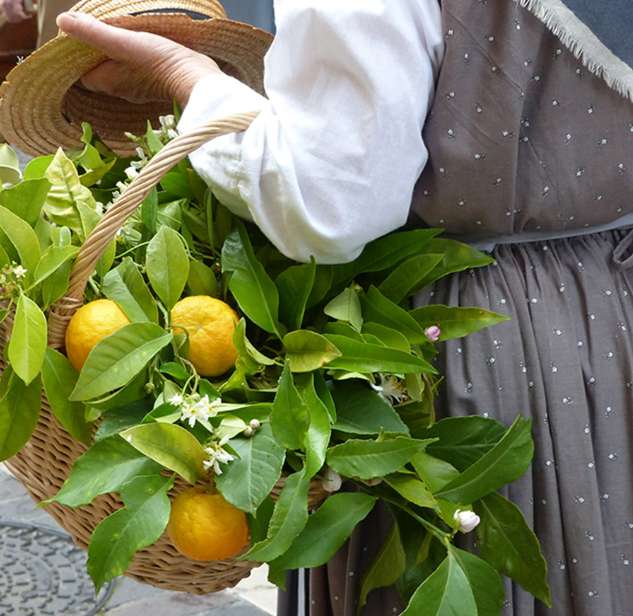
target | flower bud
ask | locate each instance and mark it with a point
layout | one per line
(433, 333)
(255, 424)
(468, 520)
(248, 432)
(331, 481)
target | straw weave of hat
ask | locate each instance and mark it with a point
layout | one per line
(42, 104)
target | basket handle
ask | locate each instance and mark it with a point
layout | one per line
(134, 195)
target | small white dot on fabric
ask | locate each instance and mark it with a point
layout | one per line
(574, 561)
(590, 465)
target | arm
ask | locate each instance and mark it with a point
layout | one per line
(331, 162)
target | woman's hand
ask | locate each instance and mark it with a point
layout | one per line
(143, 67)
(14, 10)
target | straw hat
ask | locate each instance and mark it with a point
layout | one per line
(42, 106)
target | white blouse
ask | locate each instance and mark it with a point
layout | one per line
(331, 161)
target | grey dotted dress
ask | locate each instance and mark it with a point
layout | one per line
(526, 143)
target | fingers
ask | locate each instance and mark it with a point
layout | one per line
(117, 43)
(14, 11)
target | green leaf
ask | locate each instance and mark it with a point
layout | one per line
(371, 459)
(458, 257)
(106, 467)
(407, 278)
(125, 286)
(503, 464)
(434, 472)
(288, 520)
(248, 356)
(508, 544)
(295, 286)
(175, 370)
(201, 279)
(140, 524)
(115, 420)
(411, 488)
(369, 358)
(456, 322)
(463, 440)
(167, 265)
(290, 416)
(19, 412)
(251, 286)
(485, 583)
(360, 410)
(149, 211)
(319, 430)
(388, 251)
(36, 168)
(9, 165)
(22, 237)
(386, 569)
(446, 592)
(68, 203)
(59, 379)
(326, 531)
(376, 307)
(104, 265)
(248, 480)
(52, 259)
(171, 446)
(117, 359)
(26, 199)
(346, 307)
(29, 338)
(307, 351)
(391, 338)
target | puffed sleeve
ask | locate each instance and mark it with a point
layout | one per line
(331, 161)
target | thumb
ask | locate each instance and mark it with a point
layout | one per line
(116, 43)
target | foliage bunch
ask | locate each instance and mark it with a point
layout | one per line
(334, 382)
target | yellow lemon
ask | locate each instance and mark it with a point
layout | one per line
(204, 526)
(89, 325)
(209, 324)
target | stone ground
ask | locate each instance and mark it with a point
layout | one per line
(131, 598)
(252, 597)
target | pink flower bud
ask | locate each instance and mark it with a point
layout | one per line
(433, 333)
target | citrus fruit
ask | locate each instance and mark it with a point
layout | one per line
(89, 325)
(204, 526)
(209, 324)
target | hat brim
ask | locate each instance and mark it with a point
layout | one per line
(42, 105)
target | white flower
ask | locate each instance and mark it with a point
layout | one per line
(331, 481)
(176, 400)
(172, 134)
(131, 172)
(140, 152)
(99, 208)
(391, 389)
(468, 520)
(19, 271)
(167, 121)
(197, 409)
(217, 455)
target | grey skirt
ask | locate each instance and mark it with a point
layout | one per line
(566, 360)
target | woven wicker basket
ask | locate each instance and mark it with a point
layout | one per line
(44, 463)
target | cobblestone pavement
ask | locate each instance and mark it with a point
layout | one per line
(133, 599)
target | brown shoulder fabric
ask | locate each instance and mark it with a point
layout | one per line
(521, 136)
